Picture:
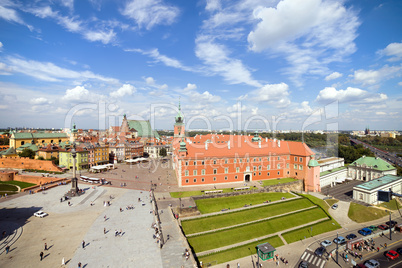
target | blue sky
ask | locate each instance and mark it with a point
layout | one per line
(265, 65)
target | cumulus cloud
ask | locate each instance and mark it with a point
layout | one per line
(78, 93)
(213, 5)
(393, 50)
(333, 76)
(371, 77)
(149, 13)
(273, 94)
(350, 94)
(190, 87)
(150, 81)
(39, 101)
(215, 57)
(126, 89)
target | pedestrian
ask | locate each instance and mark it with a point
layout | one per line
(79, 265)
(83, 244)
(7, 249)
(385, 245)
(63, 262)
(378, 249)
(105, 217)
(104, 230)
(41, 255)
(45, 246)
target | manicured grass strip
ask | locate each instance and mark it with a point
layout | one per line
(330, 202)
(318, 228)
(253, 230)
(360, 213)
(317, 201)
(196, 193)
(217, 204)
(234, 218)
(238, 252)
(277, 181)
(21, 184)
(390, 205)
(8, 187)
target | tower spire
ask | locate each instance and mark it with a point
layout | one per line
(179, 104)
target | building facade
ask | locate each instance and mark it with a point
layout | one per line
(368, 191)
(369, 168)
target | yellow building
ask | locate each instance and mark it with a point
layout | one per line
(101, 154)
(39, 138)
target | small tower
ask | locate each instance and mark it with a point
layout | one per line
(182, 149)
(179, 125)
(74, 134)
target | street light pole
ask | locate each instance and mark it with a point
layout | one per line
(390, 225)
(337, 243)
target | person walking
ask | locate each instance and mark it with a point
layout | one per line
(83, 244)
(79, 265)
(7, 249)
(41, 255)
(104, 230)
(45, 246)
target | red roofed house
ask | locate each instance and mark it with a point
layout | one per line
(213, 159)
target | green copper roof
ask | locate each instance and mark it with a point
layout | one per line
(179, 117)
(313, 163)
(182, 146)
(31, 146)
(9, 151)
(380, 182)
(373, 162)
(39, 135)
(143, 128)
(256, 137)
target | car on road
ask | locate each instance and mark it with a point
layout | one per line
(392, 255)
(320, 251)
(365, 231)
(371, 264)
(399, 250)
(383, 227)
(40, 214)
(334, 206)
(373, 228)
(326, 243)
(339, 240)
(350, 236)
(303, 264)
(391, 223)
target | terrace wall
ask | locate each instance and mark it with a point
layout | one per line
(26, 163)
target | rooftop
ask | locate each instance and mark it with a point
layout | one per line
(373, 162)
(331, 171)
(378, 183)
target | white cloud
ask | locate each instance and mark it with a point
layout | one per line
(380, 113)
(213, 5)
(10, 15)
(216, 58)
(104, 37)
(150, 81)
(393, 50)
(371, 77)
(351, 94)
(4, 69)
(274, 94)
(1, 46)
(236, 107)
(190, 87)
(48, 71)
(39, 101)
(126, 89)
(78, 93)
(333, 76)
(149, 13)
(400, 84)
(3, 107)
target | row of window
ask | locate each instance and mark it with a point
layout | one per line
(226, 178)
(300, 159)
(226, 161)
(215, 171)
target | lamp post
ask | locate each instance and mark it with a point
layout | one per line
(74, 181)
(390, 225)
(337, 244)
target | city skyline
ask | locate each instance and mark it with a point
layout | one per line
(241, 65)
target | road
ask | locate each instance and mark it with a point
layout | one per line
(380, 153)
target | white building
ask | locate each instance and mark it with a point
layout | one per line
(330, 163)
(332, 170)
(367, 191)
(369, 168)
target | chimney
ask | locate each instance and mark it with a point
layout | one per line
(229, 145)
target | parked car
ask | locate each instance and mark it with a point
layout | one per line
(326, 243)
(383, 227)
(340, 240)
(373, 228)
(392, 255)
(303, 264)
(40, 214)
(371, 264)
(350, 236)
(334, 206)
(399, 250)
(320, 251)
(365, 231)
(391, 223)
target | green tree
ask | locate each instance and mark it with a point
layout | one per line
(27, 153)
(163, 152)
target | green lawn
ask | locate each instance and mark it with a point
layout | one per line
(330, 202)
(390, 205)
(318, 228)
(254, 230)
(317, 201)
(234, 218)
(8, 187)
(277, 181)
(217, 204)
(21, 184)
(195, 193)
(238, 252)
(8, 193)
(360, 213)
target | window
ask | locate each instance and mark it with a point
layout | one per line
(300, 167)
(186, 173)
(202, 163)
(248, 160)
(214, 162)
(214, 178)
(240, 160)
(202, 171)
(186, 163)
(226, 161)
(279, 158)
(295, 158)
(288, 172)
(278, 166)
(287, 157)
(259, 167)
(51, 141)
(268, 167)
(202, 179)
(195, 180)
(287, 165)
(254, 174)
(187, 181)
(295, 166)
(259, 173)
(278, 172)
(236, 177)
(195, 163)
(215, 171)
(260, 159)
(268, 174)
(195, 172)
(268, 158)
(255, 159)
(235, 160)
(237, 170)
(226, 178)
(226, 170)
